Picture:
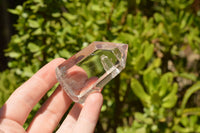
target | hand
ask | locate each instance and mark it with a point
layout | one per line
(81, 118)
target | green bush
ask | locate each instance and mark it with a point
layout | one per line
(9, 82)
(158, 90)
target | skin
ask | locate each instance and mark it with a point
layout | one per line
(81, 118)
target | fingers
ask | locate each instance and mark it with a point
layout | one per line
(92, 106)
(89, 115)
(83, 118)
(54, 108)
(21, 102)
(50, 114)
(9, 126)
(70, 121)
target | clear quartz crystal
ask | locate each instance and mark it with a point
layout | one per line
(99, 62)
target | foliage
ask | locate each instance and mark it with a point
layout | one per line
(158, 90)
(8, 83)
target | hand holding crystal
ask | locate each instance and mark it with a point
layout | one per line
(81, 118)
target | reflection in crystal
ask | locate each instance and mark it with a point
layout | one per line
(101, 61)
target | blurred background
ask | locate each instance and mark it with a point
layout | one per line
(7, 29)
(159, 89)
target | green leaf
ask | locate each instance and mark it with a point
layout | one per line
(14, 54)
(165, 83)
(126, 37)
(155, 99)
(141, 130)
(158, 17)
(33, 47)
(28, 72)
(175, 30)
(193, 121)
(18, 10)
(139, 116)
(14, 11)
(190, 76)
(181, 129)
(170, 100)
(33, 23)
(96, 8)
(139, 91)
(148, 51)
(139, 62)
(184, 121)
(192, 111)
(9, 82)
(69, 16)
(151, 81)
(64, 53)
(188, 93)
(130, 20)
(38, 31)
(56, 14)
(156, 63)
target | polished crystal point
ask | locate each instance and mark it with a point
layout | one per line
(91, 68)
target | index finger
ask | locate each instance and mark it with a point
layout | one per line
(21, 102)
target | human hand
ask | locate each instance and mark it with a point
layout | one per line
(81, 118)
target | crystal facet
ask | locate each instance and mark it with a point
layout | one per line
(91, 68)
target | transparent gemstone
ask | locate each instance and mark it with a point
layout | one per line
(91, 68)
